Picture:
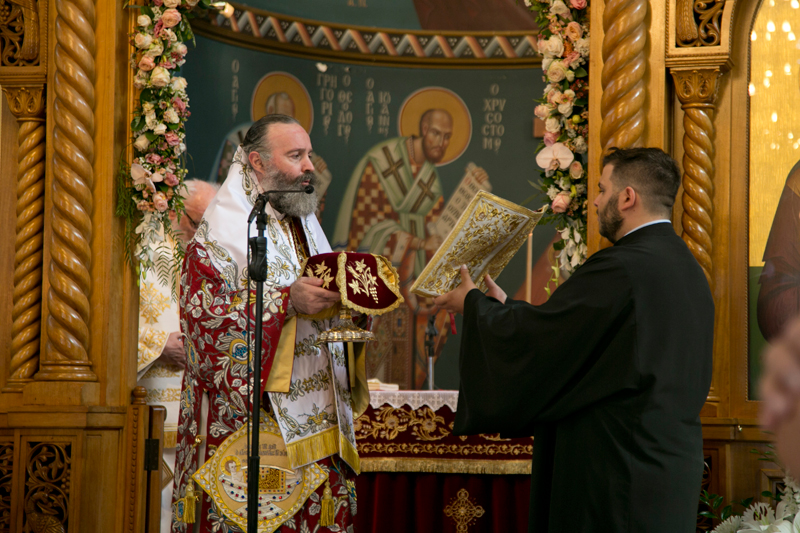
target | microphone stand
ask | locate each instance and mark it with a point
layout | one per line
(257, 269)
(258, 272)
(430, 336)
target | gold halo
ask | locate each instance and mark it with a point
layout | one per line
(437, 98)
(283, 82)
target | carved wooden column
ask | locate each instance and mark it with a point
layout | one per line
(66, 356)
(697, 92)
(624, 64)
(27, 103)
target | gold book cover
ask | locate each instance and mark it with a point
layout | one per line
(485, 238)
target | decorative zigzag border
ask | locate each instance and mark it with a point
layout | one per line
(263, 30)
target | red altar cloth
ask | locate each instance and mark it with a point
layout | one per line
(417, 476)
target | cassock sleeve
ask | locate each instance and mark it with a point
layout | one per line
(521, 364)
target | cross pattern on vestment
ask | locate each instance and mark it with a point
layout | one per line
(426, 192)
(463, 511)
(394, 169)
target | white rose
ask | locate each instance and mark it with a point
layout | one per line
(156, 49)
(556, 71)
(546, 62)
(143, 21)
(180, 48)
(142, 40)
(553, 46)
(569, 93)
(159, 77)
(169, 34)
(552, 124)
(160, 129)
(565, 109)
(147, 107)
(171, 116)
(580, 145)
(560, 8)
(172, 3)
(178, 83)
(151, 120)
(141, 143)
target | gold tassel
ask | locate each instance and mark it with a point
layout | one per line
(327, 515)
(187, 516)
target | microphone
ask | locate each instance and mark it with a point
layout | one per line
(261, 200)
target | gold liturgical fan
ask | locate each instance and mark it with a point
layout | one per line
(368, 284)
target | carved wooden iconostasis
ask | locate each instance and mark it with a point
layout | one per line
(690, 77)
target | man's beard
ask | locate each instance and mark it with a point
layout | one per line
(293, 204)
(432, 153)
(610, 220)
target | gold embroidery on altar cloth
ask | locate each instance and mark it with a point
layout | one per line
(162, 396)
(463, 511)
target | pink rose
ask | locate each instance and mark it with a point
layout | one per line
(158, 3)
(578, 4)
(574, 31)
(559, 205)
(172, 138)
(541, 111)
(179, 105)
(147, 64)
(550, 138)
(160, 202)
(575, 170)
(153, 159)
(171, 179)
(171, 18)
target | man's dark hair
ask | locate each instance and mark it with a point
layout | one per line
(651, 172)
(256, 138)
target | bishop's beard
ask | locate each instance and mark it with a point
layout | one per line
(293, 204)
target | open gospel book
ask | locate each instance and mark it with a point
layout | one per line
(485, 238)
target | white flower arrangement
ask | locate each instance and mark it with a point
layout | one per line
(564, 46)
(151, 187)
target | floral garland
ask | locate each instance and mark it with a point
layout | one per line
(564, 45)
(151, 188)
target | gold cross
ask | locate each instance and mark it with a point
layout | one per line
(426, 191)
(463, 511)
(393, 170)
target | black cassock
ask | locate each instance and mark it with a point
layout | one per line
(609, 376)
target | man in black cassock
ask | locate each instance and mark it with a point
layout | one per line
(609, 375)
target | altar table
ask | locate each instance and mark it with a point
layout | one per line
(417, 476)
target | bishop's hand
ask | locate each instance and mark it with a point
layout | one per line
(309, 298)
(453, 301)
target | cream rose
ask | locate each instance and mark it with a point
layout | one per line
(565, 108)
(172, 17)
(160, 129)
(542, 111)
(171, 116)
(553, 46)
(178, 83)
(142, 40)
(143, 21)
(160, 202)
(160, 77)
(172, 3)
(560, 8)
(150, 120)
(141, 143)
(169, 35)
(556, 71)
(553, 125)
(180, 48)
(576, 170)
(574, 31)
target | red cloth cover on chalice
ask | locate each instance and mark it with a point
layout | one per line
(368, 283)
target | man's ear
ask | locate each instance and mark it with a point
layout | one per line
(256, 162)
(627, 199)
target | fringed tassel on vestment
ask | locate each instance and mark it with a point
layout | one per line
(326, 517)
